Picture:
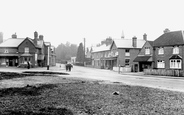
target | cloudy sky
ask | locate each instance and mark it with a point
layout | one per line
(72, 20)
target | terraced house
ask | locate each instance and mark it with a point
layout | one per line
(120, 53)
(18, 51)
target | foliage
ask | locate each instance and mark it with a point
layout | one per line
(66, 51)
(80, 53)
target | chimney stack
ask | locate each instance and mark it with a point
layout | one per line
(145, 37)
(134, 41)
(122, 35)
(14, 35)
(40, 37)
(35, 37)
(166, 30)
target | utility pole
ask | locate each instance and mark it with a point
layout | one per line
(84, 51)
(48, 59)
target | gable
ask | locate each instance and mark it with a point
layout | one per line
(27, 43)
(113, 46)
(147, 44)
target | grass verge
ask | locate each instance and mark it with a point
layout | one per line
(88, 98)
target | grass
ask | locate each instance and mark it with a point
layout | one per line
(89, 98)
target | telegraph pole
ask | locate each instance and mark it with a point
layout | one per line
(84, 50)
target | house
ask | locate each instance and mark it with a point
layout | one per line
(99, 57)
(169, 50)
(123, 52)
(145, 56)
(18, 51)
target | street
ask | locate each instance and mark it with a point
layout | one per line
(162, 82)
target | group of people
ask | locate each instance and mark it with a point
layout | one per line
(68, 66)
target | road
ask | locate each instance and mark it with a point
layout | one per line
(162, 82)
(169, 83)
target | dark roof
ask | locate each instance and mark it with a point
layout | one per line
(151, 43)
(175, 57)
(142, 58)
(170, 39)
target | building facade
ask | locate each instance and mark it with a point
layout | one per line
(125, 50)
(19, 51)
(145, 57)
(169, 50)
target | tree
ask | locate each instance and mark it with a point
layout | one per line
(64, 52)
(80, 53)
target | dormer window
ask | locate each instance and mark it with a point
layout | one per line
(160, 51)
(175, 50)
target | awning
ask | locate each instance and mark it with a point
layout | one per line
(26, 54)
(143, 59)
(9, 55)
(41, 57)
(175, 57)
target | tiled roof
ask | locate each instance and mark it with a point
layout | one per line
(170, 39)
(12, 42)
(127, 43)
(151, 43)
(101, 48)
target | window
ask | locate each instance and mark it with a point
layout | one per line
(147, 50)
(161, 51)
(160, 64)
(127, 61)
(26, 50)
(127, 52)
(6, 51)
(175, 63)
(175, 50)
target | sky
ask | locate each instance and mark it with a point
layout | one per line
(60, 21)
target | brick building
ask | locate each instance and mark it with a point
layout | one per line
(18, 51)
(145, 56)
(169, 50)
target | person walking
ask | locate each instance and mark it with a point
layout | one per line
(66, 66)
(28, 65)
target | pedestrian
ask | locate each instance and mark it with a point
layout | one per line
(28, 65)
(66, 66)
(69, 66)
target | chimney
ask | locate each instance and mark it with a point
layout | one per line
(134, 41)
(145, 37)
(122, 35)
(40, 37)
(166, 30)
(35, 37)
(14, 35)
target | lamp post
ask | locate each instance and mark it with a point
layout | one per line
(48, 59)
